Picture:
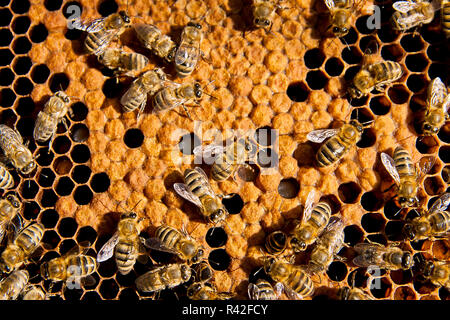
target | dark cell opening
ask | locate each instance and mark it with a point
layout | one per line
(233, 204)
(368, 45)
(437, 70)
(412, 43)
(44, 158)
(436, 53)
(427, 145)
(112, 88)
(62, 165)
(188, 142)
(378, 238)
(316, 79)
(404, 293)
(29, 189)
(86, 234)
(91, 296)
(58, 82)
(21, 45)
(297, 92)
(350, 37)
(100, 182)
(433, 186)
(362, 25)
(351, 55)
(128, 294)
(25, 107)
(51, 239)
(107, 7)
(49, 198)
(368, 138)
(126, 280)
(380, 105)
(46, 178)
(333, 201)
(267, 158)
(79, 132)
(288, 188)
(386, 34)
(107, 268)
(400, 277)
(81, 174)
(40, 73)
(392, 52)
(52, 5)
(83, 195)
(380, 288)
(73, 34)
(337, 271)
(73, 294)
(334, 67)
(416, 62)
(372, 201)
(31, 210)
(25, 128)
(444, 134)
(398, 94)
(67, 227)
(216, 237)
(314, 58)
(431, 35)
(351, 72)
(49, 218)
(23, 86)
(5, 17)
(444, 293)
(392, 210)
(80, 153)
(219, 259)
(416, 82)
(66, 245)
(70, 9)
(444, 153)
(446, 174)
(349, 192)
(133, 138)
(80, 111)
(20, 6)
(6, 57)
(6, 77)
(363, 115)
(353, 235)
(357, 278)
(65, 186)
(372, 222)
(61, 144)
(38, 33)
(248, 173)
(393, 230)
(7, 98)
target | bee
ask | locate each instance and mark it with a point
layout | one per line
(125, 244)
(410, 14)
(203, 272)
(206, 291)
(445, 17)
(339, 143)
(188, 52)
(314, 220)
(33, 293)
(152, 38)
(263, 290)
(340, 14)
(390, 258)
(347, 293)
(296, 282)
(121, 61)
(164, 277)
(15, 151)
(405, 174)
(435, 223)
(276, 243)
(197, 189)
(54, 112)
(12, 286)
(102, 31)
(327, 246)
(437, 271)
(263, 11)
(9, 208)
(438, 103)
(21, 247)
(6, 178)
(171, 240)
(147, 84)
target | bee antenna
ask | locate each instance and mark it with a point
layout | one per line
(210, 95)
(104, 205)
(348, 47)
(136, 205)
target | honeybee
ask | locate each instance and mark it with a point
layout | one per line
(102, 31)
(263, 11)
(171, 240)
(15, 151)
(12, 286)
(164, 277)
(206, 291)
(296, 282)
(147, 84)
(405, 174)
(410, 14)
(445, 17)
(390, 258)
(10, 206)
(340, 14)
(327, 246)
(347, 293)
(197, 189)
(203, 272)
(21, 247)
(276, 243)
(263, 290)
(33, 293)
(339, 143)
(314, 220)
(6, 178)
(122, 61)
(125, 245)
(54, 112)
(434, 223)
(438, 103)
(437, 271)
(152, 38)
(188, 52)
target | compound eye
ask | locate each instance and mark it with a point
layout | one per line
(267, 22)
(427, 127)
(344, 30)
(256, 21)
(335, 29)
(435, 129)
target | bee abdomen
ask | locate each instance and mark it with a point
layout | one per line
(265, 290)
(446, 18)
(168, 236)
(403, 162)
(331, 151)
(45, 127)
(276, 242)
(125, 254)
(95, 41)
(194, 182)
(6, 179)
(30, 237)
(320, 215)
(300, 282)
(11, 287)
(386, 71)
(223, 168)
(440, 221)
(137, 61)
(81, 265)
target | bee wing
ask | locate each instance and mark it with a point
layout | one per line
(90, 26)
(446, 103)
(309, 204)
(156, 244)
(440, 204)
(436, 92)
(334, 224)
(291, 294)
(411, 19)
(389, 164)
(209, 152)
(361, 248)
(107, 251)
(182, 191)
(207, 185)
(426, 164)
(404, 6)
(330, 4)
(318, 136)
(253, 291)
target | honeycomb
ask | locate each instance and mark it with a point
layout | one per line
(292, 79)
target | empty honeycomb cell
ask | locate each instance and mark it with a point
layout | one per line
(297, 92)
(100, 182)
(314, 58)
(316, 79)
(400, 277)
(358, 278)
(133, 138)
(23, 86)
(79, 133)
(386, 35)
(25, 128)
(126, 280)
(349, 192)
(219, 259)
(417, 82)
(83, 195)
(46, 178)
(38, 33)
(86, 234)
(444, 134)
(5, 17)
(351, 72)
(52, 5)
(40, 73)
(65, 186)
(91, 296)
(434, 185)
(66, 245)
(337, 271)
(391, 210)
(49, 218)
(431, 35)
(81, 174)
(5, 37)
(437, 70)
(6, 77)
(51, 239)
(248, 173)
(7, 98)
(444, 153)
(29, 189)
(31, 210)
(288, 188)
(73, 34)
(351, 55)
(58, 82)
(233, 203)
(372, 222)
(380, 105)
(20, 6)
(334, 67)
(393, 230)
(443, 293)
(398, 94)
(353, 235)
(67, 227)
(107, 268)
(80, 153)
(25, 106)
(381, 287)
(6, 56)
(404, 293)
(61, 144)
(112, 88)
(426, 145)
(128, 294)
(49, 198)
(267, 158)
(378, 238)
(21, 24)
(372, 201)
(416, 62)
(350, 38)
(392, 52)
(436, 52)
(216, 237)
(188, 142)
(412, 43)
(107, 7)
(368, 138)
(79, 110)
(73, 294)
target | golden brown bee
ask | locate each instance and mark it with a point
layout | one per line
(445, 17)
(347, 293)
(340, 13)
(197, 189)
(377, 255)
(434, 223)
(188, 52)
(121, 61)
(10, 206)
(314, 220)
(6, 178)
(171, 240)
(55, 111)
(339, 143)
(163, 277)
(203, 272)
(438, 103)
(125, 244)
(12, 286)
(206, 291)
(327, 246)
(102, 31)
(152, 38)
(263, 290)
(438, 272)
(24, 244)
(32, 292)
(147, 84)
(276, 243)
(412, 13)
(15, 151)
(405, 174)
(263, 11)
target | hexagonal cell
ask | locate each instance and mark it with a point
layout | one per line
(79, 110)
(380, 105)
(46, 178)
(372, 201)
(436, 52)
(79, 132)
(126, 280)
(73, 294)
(20, 6)
(40, 73)
(316, 79)
(392, 52)
(86, 234)
(334, 67)
(5, 17)
(404, 293)
(52, 5)
(107, 268)
(445, 174)
(297, 92)
(351, 55)
(368, 138)
(80, 153)
(337, 271)
(398, 94)
(417, 82)
(434, 185)
(314, 58)
(49, 198)
(81, 174)
(25, 106)
(51, 239)
(58, 82)
(6, 37)
(381, 287)
(372, 222)
(233, 203)
(427, 145)
(31, 210)
(100, 182)
(350, 38)
(44, 157)
(444, 153)
(21, 24)
(437, 70)
(216, 237)
(38, 33)
(6, 56)
(112, 88)
(83, 195)
(288, 188)
(358, 278)
(353, 235)
(349, 192)
(25, 127)
(386, 34)
(444, 134)
(393, 230)
(22, 65)
(49, 218)
(91, 296)
(400, 277)
(412, 43)
(6, 77)
(378, 238)
(29, 189)
(188, 142)
(61, 144)
(128, 294)
(133, 138)
(23, 86)
(65, 186)
(219, 259)
(7, 98)
(66, 245)
(107, 7)
(67, 227)
(416, 62)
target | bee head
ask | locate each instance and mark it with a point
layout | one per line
(262, 23)
(198, 256)
(268, 264)
(26, 166)
(185, 272)
(406, 202)
(408, 231)
(357, 125)
(354, 93)
(407, 261)
(429, 129)
(124, 17)
(13, 200)
(340, 31)
(195, 25)
(193, 289)
(298, 245)
(128, 215)
(62, 96)
(198, 90)
(4, 267)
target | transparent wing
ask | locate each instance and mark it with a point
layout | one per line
(412, 19)
(253, 291)
(107, 251)
(404, 6)
(209, 152)
(426, 163)
(90, 26)
(156, 244)
(278, 288)
(207, 185)
(436, 92)
(309, 204)
(330, 4)
(446, 103)
(291, 294)
(182, 191)
(440, 204)
(389, 164)
(318, 136)
(335, 223)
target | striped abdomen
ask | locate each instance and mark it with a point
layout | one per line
(163, 277)
(30, 237)
(276, 242)
(134, 98)
(300, 282)
(403, 163)
(11, 287)
(195, 182)
(168, 235)
(97, 41)
(6, 179)
(186, 59)
(446, 18)
(45, 127)
(440, 221)
(9, 140)
(134, 61)
(385, 72)
(126, 254)
(320, 215)
(80, 266)
(223, 167)
(164, 99)
(263, 290)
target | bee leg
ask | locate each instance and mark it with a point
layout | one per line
(202, 54)
(141, 109)
(187, 112)
(389, 188)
